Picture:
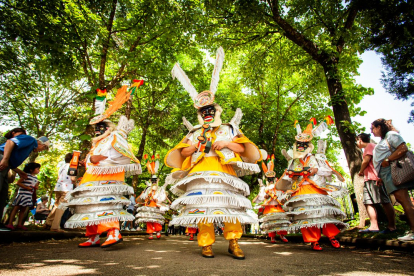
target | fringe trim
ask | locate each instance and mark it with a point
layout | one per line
(320, 212)
(143, 220)
(129, 169)
(282, 223)
(232, 181)
(101, 190)
(321, 200)
(77, 224)
(341, 225)
(232, 201)
(216, 219)
(253, 168)
(120, 201)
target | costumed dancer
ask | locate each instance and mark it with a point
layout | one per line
(153, 197)
(99, 199)
(312, 207)
(207, 165)
(275, 220)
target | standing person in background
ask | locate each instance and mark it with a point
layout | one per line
(63, 186)
(12, 154)
(374, 192)
(129, 225)
(391, 147)
(24, 197)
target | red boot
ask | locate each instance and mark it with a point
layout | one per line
(335, 243)
(191, 237)
(283, 238)
(315, 246)
(158, 235)
(272, 240)
(151, 237)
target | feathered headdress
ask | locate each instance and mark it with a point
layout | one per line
(268, 166)
(121, 97)
(204, 98)
(312, 131)
(153, 163)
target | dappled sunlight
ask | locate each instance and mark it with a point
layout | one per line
(153, 266)
(181, 257)
(283, 253)
(365, 273)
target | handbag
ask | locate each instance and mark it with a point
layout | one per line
(402, 169)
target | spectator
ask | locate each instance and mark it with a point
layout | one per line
(374, 192)
(12, 154)
(390, 148)
(129, 225)
(24, 197)
(63, 186)
(42, 211)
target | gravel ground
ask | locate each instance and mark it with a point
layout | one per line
(175, 255)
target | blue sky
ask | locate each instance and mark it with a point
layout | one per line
(381, 104)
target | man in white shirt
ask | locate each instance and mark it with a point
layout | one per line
(63, 186)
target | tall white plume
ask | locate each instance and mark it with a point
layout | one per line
(187, 124)
(216, 72)
(178, 73)
(237, 118)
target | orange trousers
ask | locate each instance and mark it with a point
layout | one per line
(313, 234)
(273, 234)
(153, 227)
(101, 227)
(192, 230)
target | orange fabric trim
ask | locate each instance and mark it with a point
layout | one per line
(92, 177)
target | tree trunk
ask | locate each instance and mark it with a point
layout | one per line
(342, 118)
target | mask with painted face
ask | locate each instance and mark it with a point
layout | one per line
(100, 128)
(301, 146)
(208, 113)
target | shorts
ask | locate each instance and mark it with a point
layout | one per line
(374, 194)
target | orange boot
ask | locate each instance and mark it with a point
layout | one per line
(114, 237)
(92, 242)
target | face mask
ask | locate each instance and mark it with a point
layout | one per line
(100, 129)
(208, 113)
(301, 146)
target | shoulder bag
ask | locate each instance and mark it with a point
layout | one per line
(402, 169)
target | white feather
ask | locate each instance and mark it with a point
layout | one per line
(178, 73)
(217, 68)
(187, 124)
(237, 117)
(157, 166)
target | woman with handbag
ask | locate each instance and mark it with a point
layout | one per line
(388, 160)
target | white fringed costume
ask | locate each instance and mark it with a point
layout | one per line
(152, 208)
(96, 201)
(99, 199)
(208, 182)
(311, 205)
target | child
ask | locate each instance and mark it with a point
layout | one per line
(23, 199)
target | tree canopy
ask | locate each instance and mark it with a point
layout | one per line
(285, 61)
